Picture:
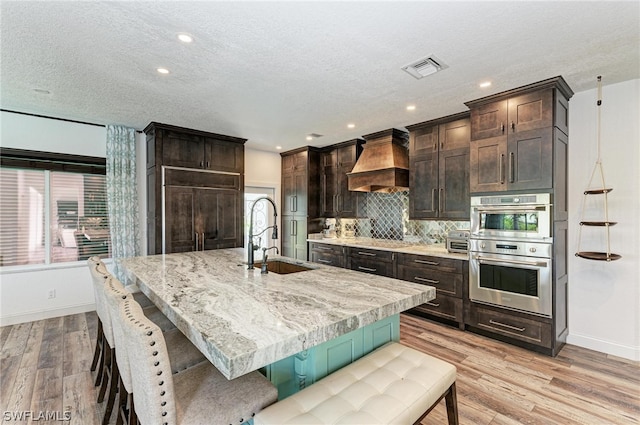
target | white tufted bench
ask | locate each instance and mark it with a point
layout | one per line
(394, 384)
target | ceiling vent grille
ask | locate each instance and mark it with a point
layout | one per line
(425, 66)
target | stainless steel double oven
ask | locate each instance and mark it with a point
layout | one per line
(511, 252)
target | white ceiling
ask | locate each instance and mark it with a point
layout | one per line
(275, 72)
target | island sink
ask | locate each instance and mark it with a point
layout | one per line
(282, 267)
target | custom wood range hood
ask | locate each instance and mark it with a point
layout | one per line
(383, 165)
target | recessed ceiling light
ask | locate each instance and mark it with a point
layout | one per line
(42, 91)
(485, 84)
(278, 147)
(162, 70)
(411, 108)
(351, 125)
(185, 38)
(309, 138)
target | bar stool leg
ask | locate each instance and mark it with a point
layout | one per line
(113, 389)
(98, 350)
(109, 354)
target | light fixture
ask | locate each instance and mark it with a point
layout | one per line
(42, 91)
(411, 107)
(312, 136)
(279, 147)
(351, 125)
(309, 138)
(162, 70)
(425, 66)
(185, 38)
(485, 84)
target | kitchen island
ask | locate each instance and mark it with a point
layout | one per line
(243, 320)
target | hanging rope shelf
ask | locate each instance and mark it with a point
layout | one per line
(601, 190)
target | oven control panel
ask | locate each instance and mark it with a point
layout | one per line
(525, 249)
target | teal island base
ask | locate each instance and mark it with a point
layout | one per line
(294, 373)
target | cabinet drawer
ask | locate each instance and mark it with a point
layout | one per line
(436, 263)
(444, 282)
(372, 265)
(325, 248)
(371, 254)
(443, 306)
(330, 255)
(511, 324)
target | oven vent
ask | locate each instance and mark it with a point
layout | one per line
(424, 67)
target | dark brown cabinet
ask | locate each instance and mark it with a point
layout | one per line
(513, 135)
(300, 200)
(372, 261)
(327, 254)
(439, 168)
(449, 277)
(200, 178)
(336, 161)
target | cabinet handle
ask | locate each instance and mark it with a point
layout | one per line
(208, 164)
(424, 279)
(502, 169)
(435, 147)
(339, 202)
(433, 197)
(432, 304)
(196, 242)
(502, 127)
(201, 164)
(292, 232)
(513, 328)
(511, 173)
(323, 248)
(320, 260)
(513, 125)
(367, 253)
(295, 203)
(441, 145)
(431, 263)
(367, 269)
(441, 195)
(202, 242)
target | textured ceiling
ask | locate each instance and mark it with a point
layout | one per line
(275, 72)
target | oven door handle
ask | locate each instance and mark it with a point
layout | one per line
(507, 209)
(497, 261)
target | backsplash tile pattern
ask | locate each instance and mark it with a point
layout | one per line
(387, 217)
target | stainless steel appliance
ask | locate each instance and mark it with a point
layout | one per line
(512, 217)
(511, 247)
(458, 241)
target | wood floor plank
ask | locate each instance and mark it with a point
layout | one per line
(9, 367)
(16, 341)
(80, 399)
(51, 354)
(47, 393)
(77, 347)
(4, 334)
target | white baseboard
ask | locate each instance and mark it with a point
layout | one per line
(45, 314)
(607, 347)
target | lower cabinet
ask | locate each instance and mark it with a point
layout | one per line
(526, 330)
(372, 261)
(294, 237)
(449, 277)
(330, 255)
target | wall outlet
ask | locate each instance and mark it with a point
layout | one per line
(52, 293)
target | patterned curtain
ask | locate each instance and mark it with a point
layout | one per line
(122, 196)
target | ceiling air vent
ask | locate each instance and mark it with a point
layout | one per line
(425, 66)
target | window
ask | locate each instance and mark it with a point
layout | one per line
(53, 208)
(262, 213)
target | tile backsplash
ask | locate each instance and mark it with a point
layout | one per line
(387, 217)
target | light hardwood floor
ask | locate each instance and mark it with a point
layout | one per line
(44, 366)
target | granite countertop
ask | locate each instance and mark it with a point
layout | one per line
(243, 320)
(437, 250)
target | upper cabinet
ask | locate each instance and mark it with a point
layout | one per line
(179, 147)
(195, 190)
(439, 168)
(336, 161)
(513, 137)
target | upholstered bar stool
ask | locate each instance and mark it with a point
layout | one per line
(182, 352)
(197, 395)
(108, 376)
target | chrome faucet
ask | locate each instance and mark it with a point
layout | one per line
(263, 267)
(251, 247)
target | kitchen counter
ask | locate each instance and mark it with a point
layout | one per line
(437, 250)
(242, 320)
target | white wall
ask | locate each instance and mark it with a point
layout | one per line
(604, 298)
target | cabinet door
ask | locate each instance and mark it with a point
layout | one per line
(294, 237)
(530, 160)
(455, 135)
(531, 111)
(487, 162)
(294, 161)
(182, 150)
(218, 219)
(347, 200)
(224, 156)
(423, 186)
(453, 194)
(179, 221)
(328, 184)
(489, 120)
(423, 140)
